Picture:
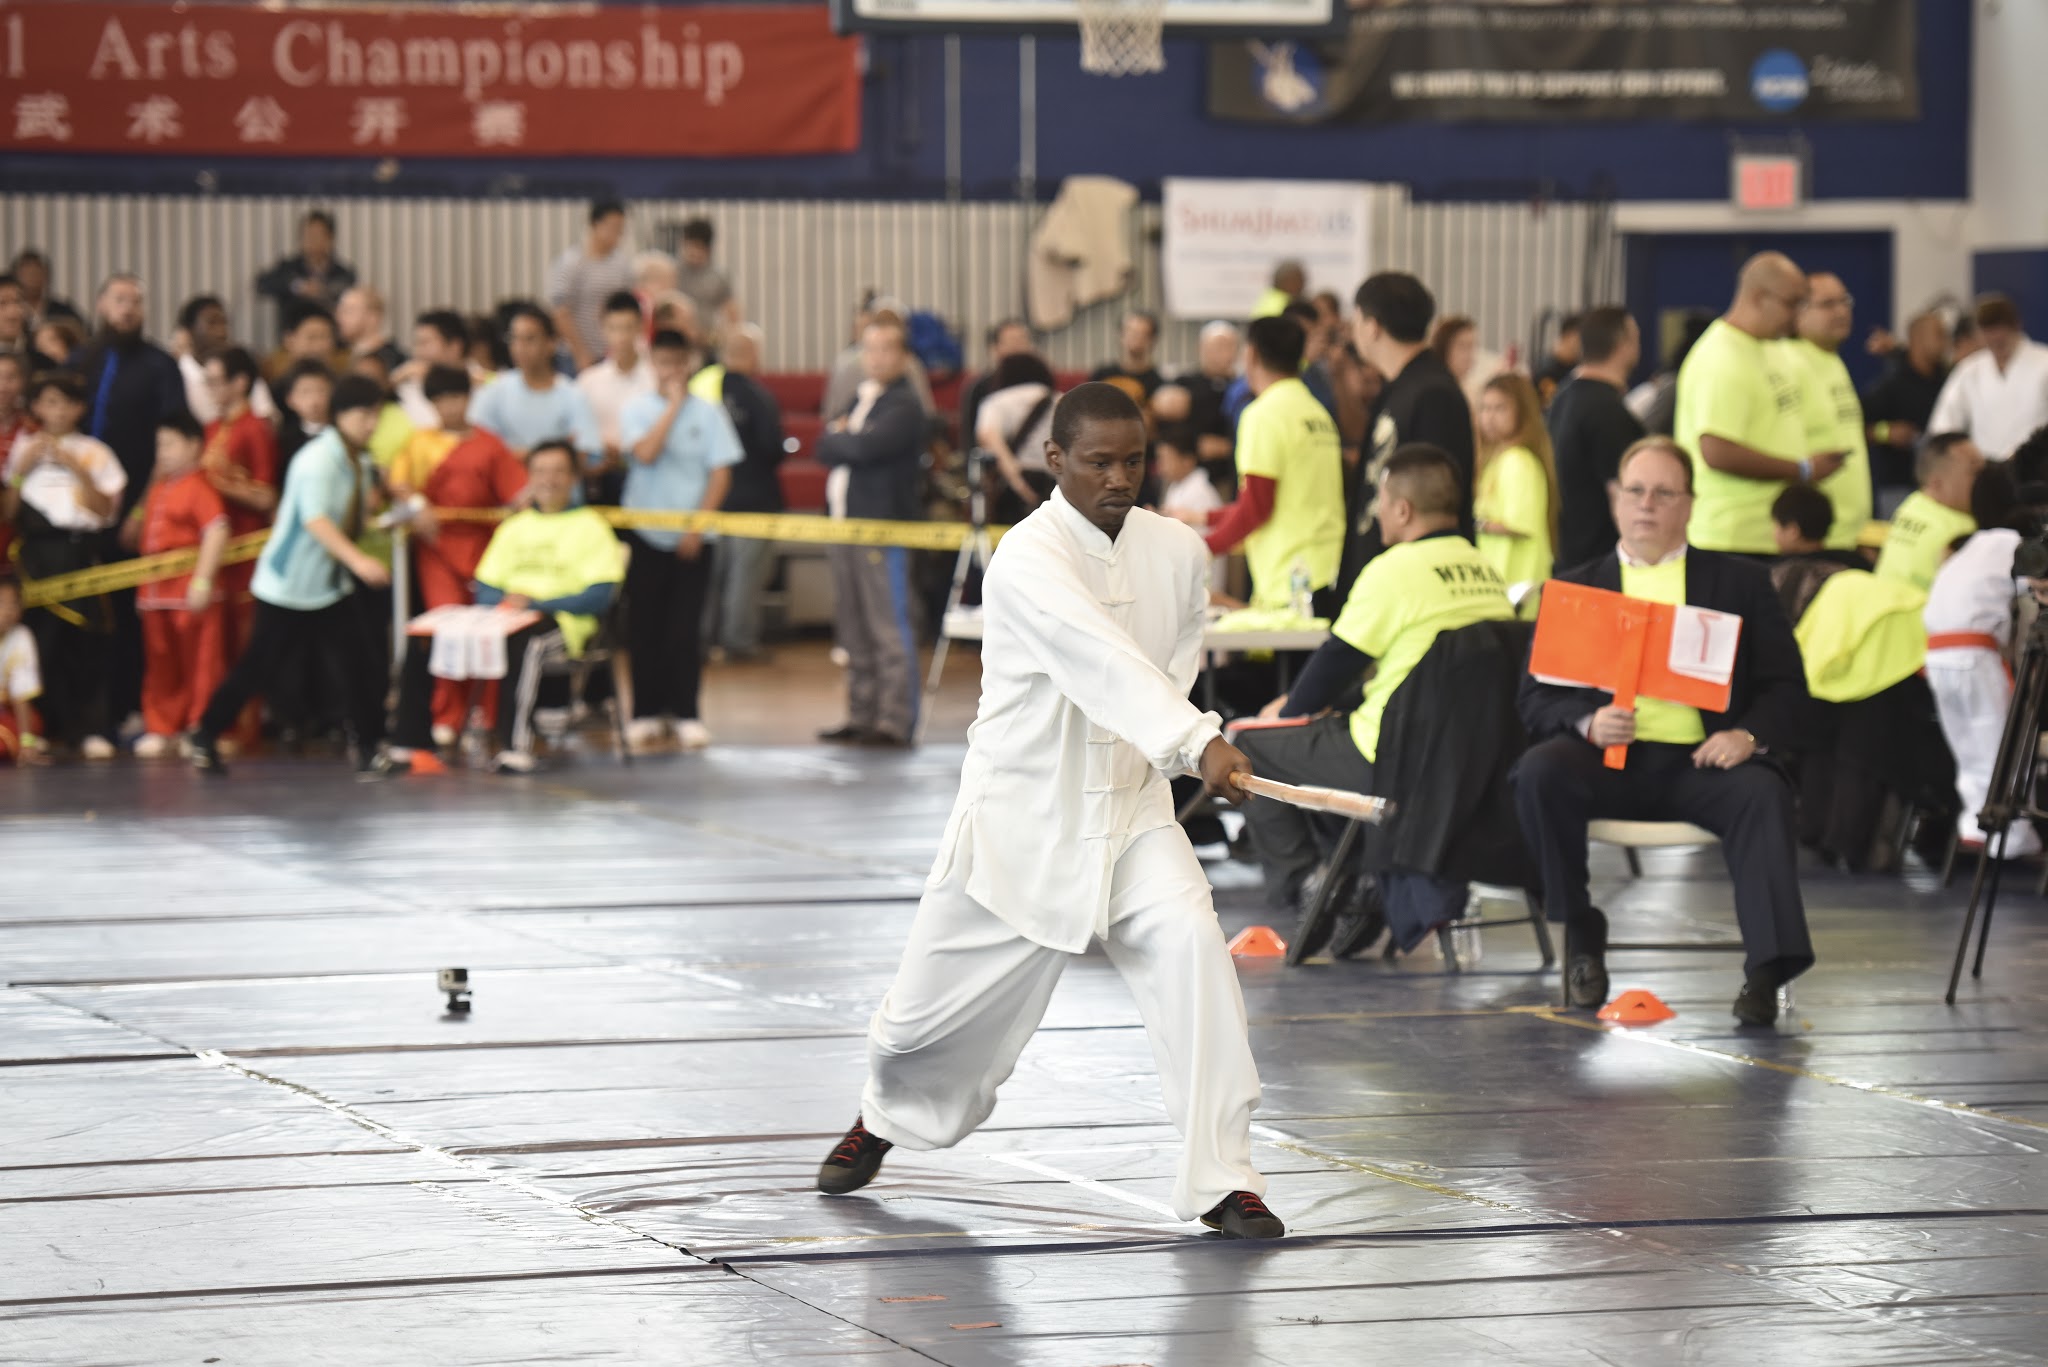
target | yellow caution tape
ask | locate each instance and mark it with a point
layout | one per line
(805, 527)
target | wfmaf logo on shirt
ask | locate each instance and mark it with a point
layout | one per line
(1778, 81)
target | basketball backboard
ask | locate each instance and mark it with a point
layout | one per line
(1189, 18)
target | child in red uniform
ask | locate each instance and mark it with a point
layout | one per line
(241, 462)
(182, 617)
(458, 466)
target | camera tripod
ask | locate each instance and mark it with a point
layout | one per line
(2009, 798)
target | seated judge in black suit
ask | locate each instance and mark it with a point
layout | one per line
(1716, 770)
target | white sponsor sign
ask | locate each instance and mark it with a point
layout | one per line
(1224, 237)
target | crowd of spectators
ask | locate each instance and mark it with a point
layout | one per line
(633, 380)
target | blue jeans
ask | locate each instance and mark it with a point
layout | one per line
(739, 576)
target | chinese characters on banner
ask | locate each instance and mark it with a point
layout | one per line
(426, 81)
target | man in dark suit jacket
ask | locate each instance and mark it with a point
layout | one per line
(1716, 770)
(875, 452)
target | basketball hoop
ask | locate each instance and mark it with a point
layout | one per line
(1122, 37)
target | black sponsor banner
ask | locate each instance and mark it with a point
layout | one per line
(1570, 60)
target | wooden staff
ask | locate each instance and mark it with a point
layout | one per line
(1357, 806)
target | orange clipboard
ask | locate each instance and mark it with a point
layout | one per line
(1596, 638)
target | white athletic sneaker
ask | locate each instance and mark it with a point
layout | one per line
(514, 762)
(154, 746)
(692, 734)
(97, 747)
(646, 733)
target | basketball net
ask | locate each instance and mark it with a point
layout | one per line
(1122, 37)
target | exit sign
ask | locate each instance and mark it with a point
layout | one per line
(1769, 180)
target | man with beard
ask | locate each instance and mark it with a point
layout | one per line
(131, 385)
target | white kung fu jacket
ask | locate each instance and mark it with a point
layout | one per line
(1089, 648)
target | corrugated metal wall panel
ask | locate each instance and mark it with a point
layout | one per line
(798, 265)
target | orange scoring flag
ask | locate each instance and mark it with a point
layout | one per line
(1596, 638)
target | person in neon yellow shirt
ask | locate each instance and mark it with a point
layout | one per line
(560, 561)
(1934, 516)
(1290, 281)
(1738, 414)
(1716, 770)
(1515, 495)
(1827, 400)
(1290, 506)
(1428, 581)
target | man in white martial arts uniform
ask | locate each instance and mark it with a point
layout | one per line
(1064, 832)
(1969, 626)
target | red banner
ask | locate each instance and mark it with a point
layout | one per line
(426, 80)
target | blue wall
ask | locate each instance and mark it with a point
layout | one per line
(1143, 128)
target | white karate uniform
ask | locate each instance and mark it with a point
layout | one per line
(2000, 409)
(1972, 595)
(1063, 832)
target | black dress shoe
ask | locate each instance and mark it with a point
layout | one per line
(1585, 963)
(884, 740)
(1758, 1004)
(854, 1163)
(1242, 1215)
(848, 734)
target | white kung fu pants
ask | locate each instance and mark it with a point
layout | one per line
(971, 991)
(1972, 691)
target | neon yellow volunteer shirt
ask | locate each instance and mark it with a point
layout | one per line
(1400, 601)
(1922, 530)
(708, 384)
(1834, 422)
(1656, 720)
(553, 555)
(1514, 493)
(1286, 435)
(1742, 389)
(1272, 303)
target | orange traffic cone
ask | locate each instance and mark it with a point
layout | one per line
(1258, 942)
(426, 762)
(1636, 1007)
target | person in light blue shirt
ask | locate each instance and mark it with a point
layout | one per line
(682, 450)
(533, 402)
(308, 570)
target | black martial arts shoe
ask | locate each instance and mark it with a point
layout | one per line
(1585, 963)
(1242, 1215)
(206, 755)
(1758, 1004)
(848, 734)
(854, 1163)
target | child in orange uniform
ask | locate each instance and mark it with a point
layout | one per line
(183, 618)
(458, 466)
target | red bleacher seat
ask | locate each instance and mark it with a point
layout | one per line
(796, 392)
(1063, 380)
(805, 428)
(946, 394)
(803, 485)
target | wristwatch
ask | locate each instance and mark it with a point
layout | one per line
(1756, 746)
(1806, 472)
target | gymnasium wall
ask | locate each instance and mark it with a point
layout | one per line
(797, 264)
(1140, 129)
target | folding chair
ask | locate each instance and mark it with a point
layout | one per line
(1320, 909)
(1630, 836)
(547, 655)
